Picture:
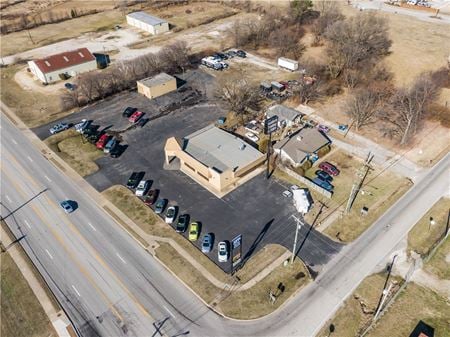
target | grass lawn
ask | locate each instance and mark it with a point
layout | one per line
(414, 304)
(422, 237)
(33, 108)
(47, 34)
(358, 309)
(439, 264)
(254, 302)
(21, 312)
(75, 151)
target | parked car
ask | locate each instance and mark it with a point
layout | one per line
(142, 187)
(252, 137)
(151, 197)
(194, 229)
(142, 122)
(70, 86)
(182, 223)
(116, 151)
(134, 179)
(231, 53)
(323, 183)
(221, 120)
(207, 243)
(136, 116)
(170, 214)
(128, 112)
(241, 53)
(101, 142)
(160, 206)
(80, 127)
(342, 128)
(222, 253)
(111, 144)
(329, 168)
(323, 128)
(324, 175)
(67, 207)
(58, 128)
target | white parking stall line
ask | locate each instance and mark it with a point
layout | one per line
(47, 178)
(76, 290)
(48, 253)
(120, 257)
(170, 312)
(27, 223)
(93, 228)
(8, 198)
(29, 158)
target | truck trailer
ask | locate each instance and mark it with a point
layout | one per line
(287, 64)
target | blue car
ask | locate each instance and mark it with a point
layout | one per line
(207, 243)
(324, 175)
(323, 183)
(67, 207)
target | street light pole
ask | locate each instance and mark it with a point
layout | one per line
(297, 229)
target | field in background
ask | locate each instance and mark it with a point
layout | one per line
(21, 312)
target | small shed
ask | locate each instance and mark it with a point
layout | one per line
(148, 23)
(156, 86)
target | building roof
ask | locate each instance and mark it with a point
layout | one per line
(219, 149)
(156, 80)
(283, 113)
(64, 60)
(146, 18)
(303, 143)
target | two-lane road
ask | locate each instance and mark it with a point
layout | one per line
(111, 287)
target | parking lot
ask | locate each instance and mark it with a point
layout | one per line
(257, 209)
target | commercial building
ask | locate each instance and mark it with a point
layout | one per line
(302, 146)
(286, 116)
(61, 66)
(214, 158)
(156, 86)
(148, 23)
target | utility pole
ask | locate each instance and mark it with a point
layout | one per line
(269, 144)
(357, 185)
(385, 295)
(297, 229)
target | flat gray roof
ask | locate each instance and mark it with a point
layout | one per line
(283, 112)
(147, 18)
(219, 149)
(159, 79)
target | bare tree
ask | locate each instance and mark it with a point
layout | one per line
(176, 55)
(298, 9)
(85, 84)
(363, 107)
(309, 89)
(409, 106)
(238, 94)
(329, 14)
(236, 32)
(286, 42)
(356, 42)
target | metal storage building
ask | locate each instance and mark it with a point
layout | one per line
(71, 63)
(148, 23)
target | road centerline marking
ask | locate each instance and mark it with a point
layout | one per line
(170, 312)
(47, 178)
(8, 198)
(27, 223)
(93, 228)
(29, 158)
(120, 257)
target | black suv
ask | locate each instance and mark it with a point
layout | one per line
(182, 223)
(128, 112)
(241, 53)
(134, 179)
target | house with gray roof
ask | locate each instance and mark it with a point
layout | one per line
(301, 146)
(286, 116)
(148, 23)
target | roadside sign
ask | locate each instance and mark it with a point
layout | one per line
(271, 125)
(236, 250)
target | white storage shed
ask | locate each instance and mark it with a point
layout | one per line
(148, 23)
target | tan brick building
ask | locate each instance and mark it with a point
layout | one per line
(156, 86)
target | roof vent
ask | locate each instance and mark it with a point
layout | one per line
(65, 58)
(81, 54)
(242, 147)
(47, 63)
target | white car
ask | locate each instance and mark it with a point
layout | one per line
(142, 188)
(170, 214)
(79, 127)
(252, 136)
(222, 254)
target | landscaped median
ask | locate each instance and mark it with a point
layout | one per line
(245, 296)
(75, 150)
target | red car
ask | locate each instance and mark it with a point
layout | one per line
(102, 141)
(151, 197)
(135, 116)
(329, 168)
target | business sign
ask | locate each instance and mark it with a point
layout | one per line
(236, 250)
(271, 125)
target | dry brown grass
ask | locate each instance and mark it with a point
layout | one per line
(21, 312)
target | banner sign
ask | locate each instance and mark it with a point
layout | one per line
(271, 125)
(236, 250)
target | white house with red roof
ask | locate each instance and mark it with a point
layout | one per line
(71, 63)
